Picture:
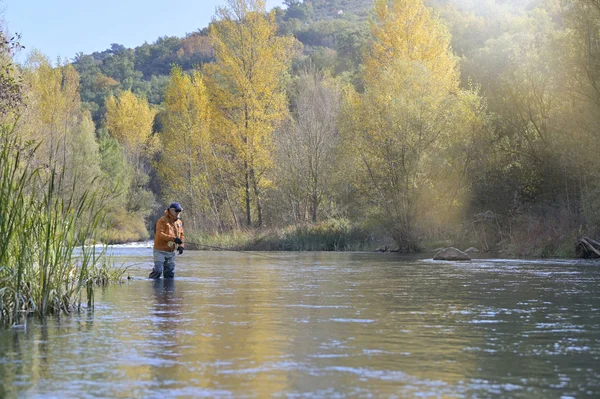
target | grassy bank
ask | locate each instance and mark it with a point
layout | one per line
(331, 235)
(45, 265)
(526, 237)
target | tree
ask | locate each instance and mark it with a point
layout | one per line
(55, 119)
(308, 146)
(405, 131)
(63, 132)
(407, 29)
(188, 164)
(248, 86)
(299, 10)
(129, 120)
(11, 91)
(540, 167)
(119, 64)
(579, 56)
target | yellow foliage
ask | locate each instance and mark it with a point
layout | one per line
(54, 119)
(248, 86)
(407, 29)
(187, 164)
(129, 119)
(53, 105)
(102, 82)
(408, 127)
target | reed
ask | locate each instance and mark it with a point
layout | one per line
(45, 259)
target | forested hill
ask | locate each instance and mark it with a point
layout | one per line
(326, 28)
(144, 70)
(331, 9)
(332, 32)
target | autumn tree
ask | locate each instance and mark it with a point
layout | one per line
(308, 145)
(406, 131)
(189, 161)
(11, 90)
(409, 31)
(69, 160)
(54, 119)
(129, 119)
(247, 84)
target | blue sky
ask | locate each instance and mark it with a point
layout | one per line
(65, 27)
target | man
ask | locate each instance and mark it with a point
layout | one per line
(167, 241)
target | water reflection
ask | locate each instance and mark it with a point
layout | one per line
(342, 325)
(164, 337)
(166, 306)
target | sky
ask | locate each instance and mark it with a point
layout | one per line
(63, 28)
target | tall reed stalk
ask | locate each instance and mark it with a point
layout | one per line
(46, 259)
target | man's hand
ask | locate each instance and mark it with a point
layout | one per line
(178, 241)
(180, 250)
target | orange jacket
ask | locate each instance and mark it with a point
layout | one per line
(167, 228)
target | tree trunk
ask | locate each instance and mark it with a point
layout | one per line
(258, 200)
(587, 248)
(315, 204)
(247, 195)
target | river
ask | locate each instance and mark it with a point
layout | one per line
(320, 325)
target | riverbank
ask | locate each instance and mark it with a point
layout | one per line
(336, 235)
(525, 239)
(331, 235)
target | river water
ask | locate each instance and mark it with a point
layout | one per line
(320, 325)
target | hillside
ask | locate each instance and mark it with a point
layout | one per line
(330, 9)
(332, 32)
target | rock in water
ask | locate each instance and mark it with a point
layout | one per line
(451, 253)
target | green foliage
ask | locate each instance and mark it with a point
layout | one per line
(143, 70)
(336, 9)
(301, 11)
(42, 269)
(330, 235)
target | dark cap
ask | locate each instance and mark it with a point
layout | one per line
(176, 206)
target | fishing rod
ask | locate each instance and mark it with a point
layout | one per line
(249, 253)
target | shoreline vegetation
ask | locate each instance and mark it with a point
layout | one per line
(342, 235)
(44, 268)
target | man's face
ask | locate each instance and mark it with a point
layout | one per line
(175, 213)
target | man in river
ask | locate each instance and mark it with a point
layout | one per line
(168, 240)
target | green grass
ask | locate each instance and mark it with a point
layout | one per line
(330, 235)
(45, 264)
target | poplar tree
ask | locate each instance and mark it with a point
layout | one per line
(129, 120)
(248, 88)
(408, 30)
(405, 130)
(188, 163)
(54, 106)
(54, 119)
(307, 147)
